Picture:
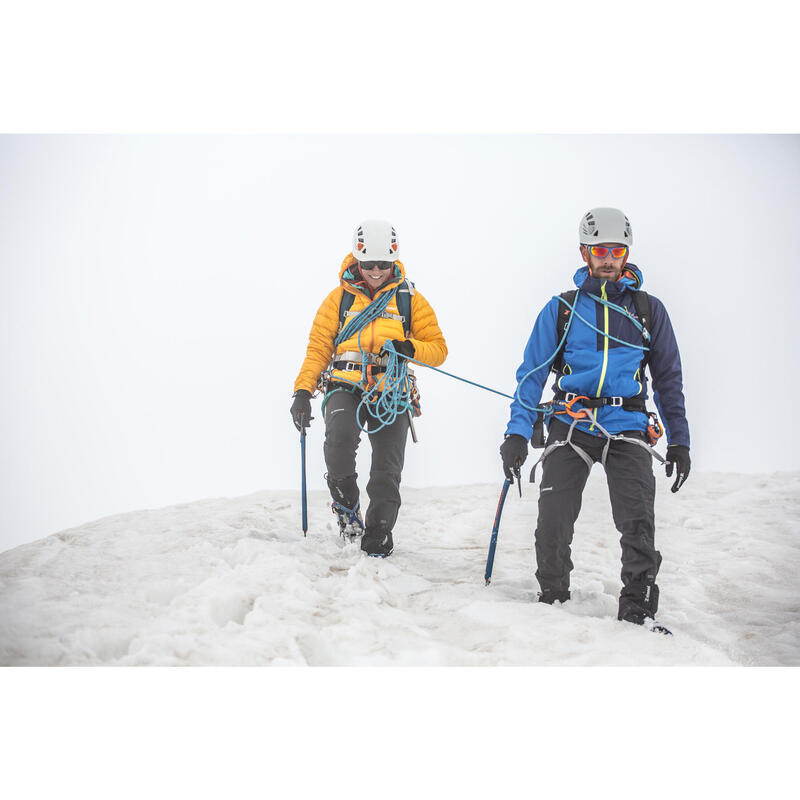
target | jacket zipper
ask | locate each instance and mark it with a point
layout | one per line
(605, 349)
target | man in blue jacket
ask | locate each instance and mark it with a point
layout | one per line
(598, 340)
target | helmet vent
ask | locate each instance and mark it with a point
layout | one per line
(605, 225)
(375, 239)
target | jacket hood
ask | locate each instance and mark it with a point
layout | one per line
(632, 278)
(347, 276)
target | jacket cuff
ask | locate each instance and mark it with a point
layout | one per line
(521, 428)
(679, 444)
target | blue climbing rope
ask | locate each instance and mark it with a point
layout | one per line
(626, 313)
(364, 317)
(391, 396)
(547, 410)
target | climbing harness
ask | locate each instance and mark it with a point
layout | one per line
(617, 437)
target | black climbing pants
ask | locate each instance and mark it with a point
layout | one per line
(631, 489)
(342, 437)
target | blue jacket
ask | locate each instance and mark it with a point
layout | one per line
(597, 366)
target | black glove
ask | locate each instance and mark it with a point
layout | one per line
(678, 456)
(403, 347)
(301, 408)
(513, 451)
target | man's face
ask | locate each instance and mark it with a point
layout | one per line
(375, 273)
(605, 267)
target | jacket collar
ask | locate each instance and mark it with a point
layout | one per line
(348, 280)
(632, 278)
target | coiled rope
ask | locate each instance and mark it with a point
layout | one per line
(391, 397)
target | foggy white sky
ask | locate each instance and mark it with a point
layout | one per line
(157, 294)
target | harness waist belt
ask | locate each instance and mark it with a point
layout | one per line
(625, 403)
(355, 356)
(355, 366)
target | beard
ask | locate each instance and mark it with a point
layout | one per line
(608, 271)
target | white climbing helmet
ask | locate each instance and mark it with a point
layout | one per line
(375, 240)
(605, 225)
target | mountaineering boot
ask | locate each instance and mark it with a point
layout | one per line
(638, 601)
(638, 605)
(350, 522)
(551, 596)
(377, 543)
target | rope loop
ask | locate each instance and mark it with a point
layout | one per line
(389, 396)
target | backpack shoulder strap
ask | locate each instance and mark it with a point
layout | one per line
(405, 292)
(344, 307)
(561, 325)
(641, 302)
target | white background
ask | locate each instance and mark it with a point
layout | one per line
(157, 294)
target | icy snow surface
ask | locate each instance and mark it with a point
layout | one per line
(232, 581)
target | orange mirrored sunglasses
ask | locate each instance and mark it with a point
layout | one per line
(598, 251)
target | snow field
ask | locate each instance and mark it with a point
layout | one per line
(233, 582)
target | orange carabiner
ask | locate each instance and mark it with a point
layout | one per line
(577, 414)
(654, 429)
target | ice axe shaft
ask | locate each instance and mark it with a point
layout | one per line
(495, 529)
(304, 501)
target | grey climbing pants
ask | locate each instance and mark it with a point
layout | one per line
(342, 437)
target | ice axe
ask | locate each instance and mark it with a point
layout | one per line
(304, 502)
(495, 529)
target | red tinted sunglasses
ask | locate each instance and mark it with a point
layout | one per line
(598, 251)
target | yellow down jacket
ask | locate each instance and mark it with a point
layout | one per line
(429, 344)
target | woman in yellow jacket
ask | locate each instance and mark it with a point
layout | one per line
(355, 365)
